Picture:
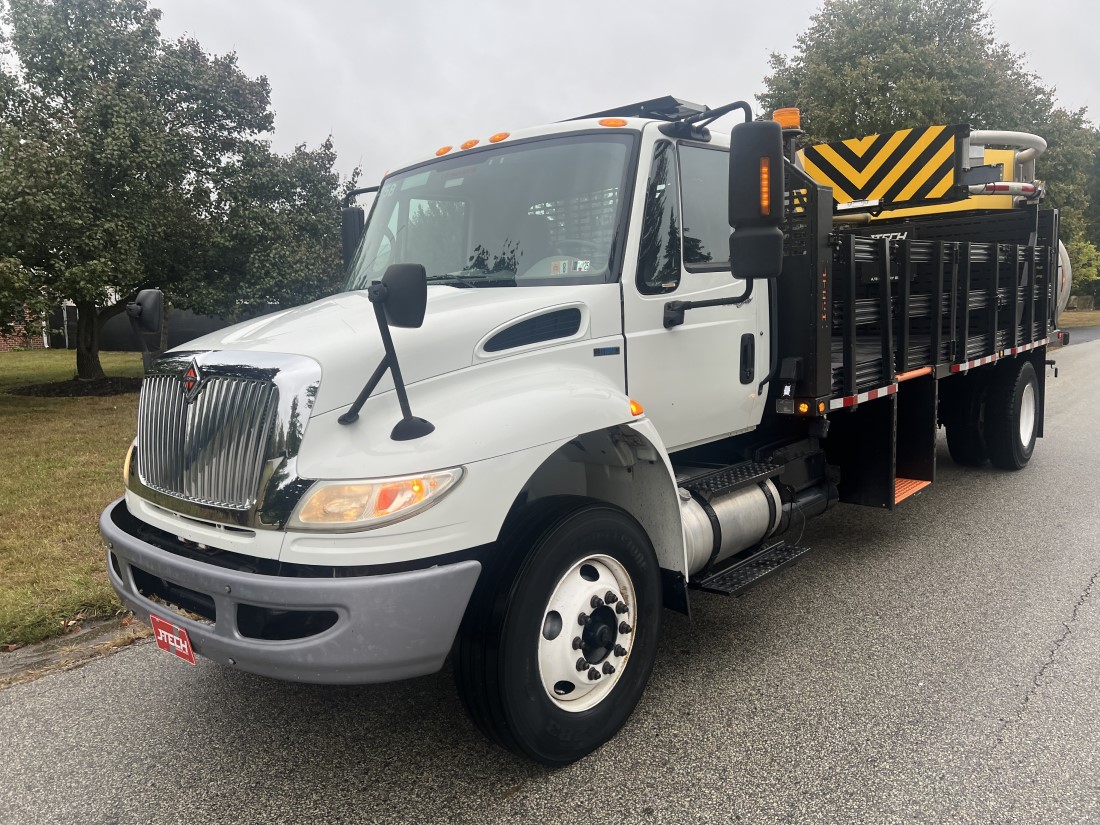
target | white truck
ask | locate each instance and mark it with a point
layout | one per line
(558, 395)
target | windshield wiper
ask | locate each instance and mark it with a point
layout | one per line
(475, 277)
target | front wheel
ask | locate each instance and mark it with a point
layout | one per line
(1012, 415)
(561, 634)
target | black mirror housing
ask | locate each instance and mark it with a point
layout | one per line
(756, 193)
(352, 220)
(406, 298)
(147, 310)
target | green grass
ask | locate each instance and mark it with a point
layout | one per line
(63, 464)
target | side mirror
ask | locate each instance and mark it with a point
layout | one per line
(756, 194)
(146, 310)
(352, 220)
(406, 295)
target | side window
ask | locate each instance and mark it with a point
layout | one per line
(705, 176)
(659, 253)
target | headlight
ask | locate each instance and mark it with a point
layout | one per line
(363, 505)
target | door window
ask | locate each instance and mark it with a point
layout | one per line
(704, 175)
(659, 253)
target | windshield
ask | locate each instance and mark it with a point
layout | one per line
(532, 214)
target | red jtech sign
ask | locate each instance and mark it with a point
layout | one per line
(172, 639)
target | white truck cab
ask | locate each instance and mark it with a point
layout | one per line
(546, 406)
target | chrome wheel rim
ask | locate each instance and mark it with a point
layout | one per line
(1027, 414)
(587, 633)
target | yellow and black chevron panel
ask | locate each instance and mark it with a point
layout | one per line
(910, 166)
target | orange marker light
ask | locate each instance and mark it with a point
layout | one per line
(765, 186)
(803, 408)
(821, 406)
(789, 118)
(442, 150)
(635, 407)
(613, 122)
(498, 137)
(470, 144)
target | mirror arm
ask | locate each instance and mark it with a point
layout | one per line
(409, 427)
(674, 310)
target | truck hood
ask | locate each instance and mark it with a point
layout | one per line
(341, 334)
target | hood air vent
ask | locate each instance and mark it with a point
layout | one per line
(562, 323)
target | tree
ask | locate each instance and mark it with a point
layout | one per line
(114, 139)
(864, 68)
(273, 233)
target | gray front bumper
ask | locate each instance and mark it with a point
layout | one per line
(389, 626)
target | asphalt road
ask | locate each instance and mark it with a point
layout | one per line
(936, 664)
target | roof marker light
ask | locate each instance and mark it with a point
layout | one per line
(613, 122)
(498, 137)
(470, 144)
(442, 150)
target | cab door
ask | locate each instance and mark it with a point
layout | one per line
(697, 381)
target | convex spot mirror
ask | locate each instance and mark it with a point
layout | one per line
(147, 309)
(756, 199)
(403, 293)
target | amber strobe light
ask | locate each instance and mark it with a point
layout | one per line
(765, 186)
(789, 118)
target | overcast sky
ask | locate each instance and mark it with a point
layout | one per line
(393, 79)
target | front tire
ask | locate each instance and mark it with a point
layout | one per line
(519, 652)
(1012, 415)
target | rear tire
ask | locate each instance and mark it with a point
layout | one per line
(1012, 414)
(965, 422)
(516, 654)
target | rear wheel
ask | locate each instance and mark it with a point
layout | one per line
(1012, 414)
(965, 421)
(561, 634)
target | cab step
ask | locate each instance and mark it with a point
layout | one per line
(735, 580)
(709, 485)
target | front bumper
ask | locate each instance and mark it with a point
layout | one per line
(387, 627)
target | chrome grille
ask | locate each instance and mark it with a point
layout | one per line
(212, 450)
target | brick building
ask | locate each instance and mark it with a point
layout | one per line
(19, 339)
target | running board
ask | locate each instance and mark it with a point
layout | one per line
(735, 580)
(717, 483)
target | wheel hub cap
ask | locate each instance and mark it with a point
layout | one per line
(587, 633)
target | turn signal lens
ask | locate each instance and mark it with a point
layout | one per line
(498, 137)
(789, 118)
(126, 466)
(635, 407)
(367, 504)
(821, 406)
(613, 122)
(470, 144)
(765, 186)
(442, 150)
(803, 408)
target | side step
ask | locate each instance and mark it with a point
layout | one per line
(735, 580)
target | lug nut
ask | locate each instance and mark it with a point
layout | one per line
(596, 602)
(610, 597)
(621, 607)
(624, 627)
(582, 619)
(577, 643)
(608, 668)
(593, 674)
(582, 663)
(620, 650)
